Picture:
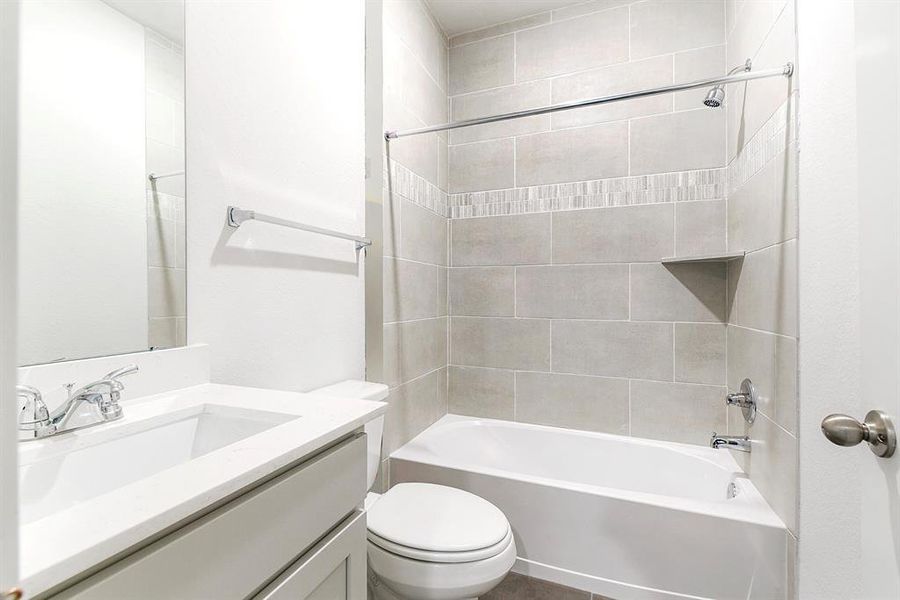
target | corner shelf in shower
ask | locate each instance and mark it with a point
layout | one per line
(704, 258)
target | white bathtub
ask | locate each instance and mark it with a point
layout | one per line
(627, 518)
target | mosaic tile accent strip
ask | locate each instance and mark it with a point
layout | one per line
(418, 190)
(705, 184)
(771, 139)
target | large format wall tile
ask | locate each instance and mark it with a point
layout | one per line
(423, 234)
(678, 141)
(414, 348)
(408, 82)
(760, 99)
(572, 291)
(763, 289)
(412, 407)
(411, 23)
(480, 392)
(563, 47)
(763, 211)
(410, 290)
(482, 65)
(576, 401)
(685, 292)
(770, 361)
(482, 166)
(699, 228)
(498, 101)
(700, 353)
(501, 343)
(615, 79)
(498, 30)
(483, 291)
(664, 26)
(419, 153)
(771, 464)
(626, 234)
(613, 348)
(677, 412)
(515, 240)
(544, 158)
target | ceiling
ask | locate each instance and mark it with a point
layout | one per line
(460, 16)
(163, 16)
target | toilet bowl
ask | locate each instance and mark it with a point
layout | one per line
(427, 541)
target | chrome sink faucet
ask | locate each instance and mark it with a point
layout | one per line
(104, 393)
(741, 443)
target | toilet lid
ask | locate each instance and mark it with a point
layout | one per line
(436, 518)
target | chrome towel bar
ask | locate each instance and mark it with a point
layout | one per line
(235, 217)
(155, 176)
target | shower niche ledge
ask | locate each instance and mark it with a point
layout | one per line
(704, 258)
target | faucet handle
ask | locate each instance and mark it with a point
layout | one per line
(122, 371)
(34, 415)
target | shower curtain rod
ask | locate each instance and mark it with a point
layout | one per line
(786, 71)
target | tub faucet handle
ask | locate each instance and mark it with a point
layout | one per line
(747, 399)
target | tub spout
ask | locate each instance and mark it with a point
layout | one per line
(741, 443)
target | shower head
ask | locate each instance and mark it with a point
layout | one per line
(715, 97)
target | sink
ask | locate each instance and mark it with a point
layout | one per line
(94, 493)
(65, 472)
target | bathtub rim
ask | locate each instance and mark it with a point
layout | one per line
(748, 506)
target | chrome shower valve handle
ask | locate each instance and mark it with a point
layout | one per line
(747, 399)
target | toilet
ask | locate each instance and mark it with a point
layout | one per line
(427, 541)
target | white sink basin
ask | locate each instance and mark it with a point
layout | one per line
(57, 480)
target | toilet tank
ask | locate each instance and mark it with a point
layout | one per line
(363, 390)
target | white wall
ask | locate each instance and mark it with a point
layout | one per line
(82, 232)
(275, 123)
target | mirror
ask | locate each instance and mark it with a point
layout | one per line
(102, 187)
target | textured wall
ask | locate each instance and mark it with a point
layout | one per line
(414, 223)
(270, 130)
(567, 317)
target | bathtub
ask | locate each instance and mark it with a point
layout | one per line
(626, 518)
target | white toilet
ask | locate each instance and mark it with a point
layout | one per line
(427, 541)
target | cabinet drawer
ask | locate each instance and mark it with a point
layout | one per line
(233, 551)
(334, 569)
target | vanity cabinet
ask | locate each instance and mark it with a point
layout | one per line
(334, 570)
(300, 535)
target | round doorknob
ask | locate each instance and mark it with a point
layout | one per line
(877, 429)
(844, 430)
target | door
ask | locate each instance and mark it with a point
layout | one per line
(877, 34)
(849, 294)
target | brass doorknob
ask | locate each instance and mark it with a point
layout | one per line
(877, 429)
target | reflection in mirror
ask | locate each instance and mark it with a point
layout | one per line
(102, 209)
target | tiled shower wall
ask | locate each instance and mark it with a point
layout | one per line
(415, 223)
(165, 198)
(762, 220)
(567, 317)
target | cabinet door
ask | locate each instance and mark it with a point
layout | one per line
(335, 569)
